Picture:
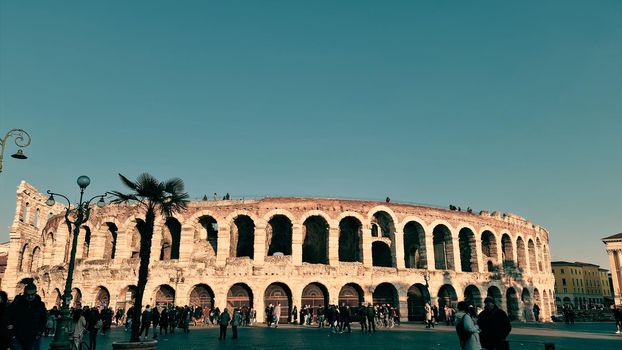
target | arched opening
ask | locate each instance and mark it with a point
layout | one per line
(350, 239)
(527, 305)
(86, 247)
(539, 253)
(374, 230)
(507, 251)
(102, 297)
(418, 296)
(279, 235)
(203, 296)
(385, 293)
(385, 223)
(468, 253)
(35, 221)
(414, 246)
(171, 238)
(76, 300)
(381, 254)
(443, 248)
(239, 295)
(533, 266)
(243, 237)
(495, 294)
(208, 233)
(279, 293)
(25, 212)
(315, 294)
(472, 296)
(512, 303)
(315, 240)
(35, 260)
(127, 296)
(489, 249)
(520, 254)
(135, 244)
(351, 295)
(164, 295)
(23, 258)
(110, 244)
(446, 296)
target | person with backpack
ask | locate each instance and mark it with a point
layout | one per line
(468, 333)
(495, 326)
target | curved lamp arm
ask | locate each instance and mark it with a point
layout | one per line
(22, 139)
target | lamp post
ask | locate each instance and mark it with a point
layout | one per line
(22, 139)
(80, 214)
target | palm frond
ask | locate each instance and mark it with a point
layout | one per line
(127, 182)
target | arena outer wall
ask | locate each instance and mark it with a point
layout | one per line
(204, 256)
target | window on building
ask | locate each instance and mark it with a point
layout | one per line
(562, 270)
(565, 290)
(564, 282)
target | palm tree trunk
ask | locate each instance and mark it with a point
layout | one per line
(146, 233)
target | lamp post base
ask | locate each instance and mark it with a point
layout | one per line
(62, 340)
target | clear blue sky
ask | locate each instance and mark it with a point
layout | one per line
(510, 106)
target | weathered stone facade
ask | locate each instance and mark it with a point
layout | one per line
(296, 251)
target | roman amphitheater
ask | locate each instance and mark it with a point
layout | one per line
(295, 251)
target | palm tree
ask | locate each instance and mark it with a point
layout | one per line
(166, 198)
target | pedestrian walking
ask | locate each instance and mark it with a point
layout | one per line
(468, 332)
(277, 315)
(26, 319)
(155, 321)
(93, 324)
(235, 322)
(4, 316)
(428, 316)
(617, 316)
(495, 326)
(371, 318)
(145, 322)
(223, 320)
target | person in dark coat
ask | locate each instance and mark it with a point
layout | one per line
(495, 326)
(155, 320)
(223, 321)
(27, 318)
(93, 324)
(145, 321)
(5, 340)
(371, 318)
(362, 315)
(164, 321)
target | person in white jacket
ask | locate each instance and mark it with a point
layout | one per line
(470, 339)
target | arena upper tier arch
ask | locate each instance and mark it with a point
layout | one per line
(296, 251)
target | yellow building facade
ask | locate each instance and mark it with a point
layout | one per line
(582, 285)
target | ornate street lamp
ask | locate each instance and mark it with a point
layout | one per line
(80, 214)
(22, 139)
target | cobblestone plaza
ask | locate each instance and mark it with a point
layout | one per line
(407, 336)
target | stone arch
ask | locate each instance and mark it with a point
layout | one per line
(495, 293)
(129, 238)
(350, 239)
(205, 236)
(512, 304)
(279, 235)
(539, 253)
(472, 296)
(25, 212)
(468, 250)
(447, 296)
(315, 294)
(546, 258)
(531, 247)
(351, 295)
(381, 254)
(202, 295)
(507, 250)
(164, 295)
(102, 296)
(414, 245)
(278, 292)
(171, 239)
(127, 296)
(551, 301)
(527, 304)
(315, 233)
(242, 237)
(35, 261)
(48, 249)
(537, 300)
(521, 259)
(239, 295)
(385, 293)
(111, 234)
(23, 258)
(418, 295)
(489, 248)
(443, 248)
(86, 241)
(76, 297)
(35, 220)
(385, 220)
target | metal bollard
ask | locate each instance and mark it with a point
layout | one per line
(549, 346)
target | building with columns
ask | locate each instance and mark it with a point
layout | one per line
(614, 250)
(296, 251)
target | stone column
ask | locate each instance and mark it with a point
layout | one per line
(481, 265)
(455, 244)
(260, 251)
(429, 251)
(614, 262)
(398, 253)
(403, 308)
(224, 245)
(367, 257)
(499, 261)
(297, 244)
(186, 245)
(333, 246)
